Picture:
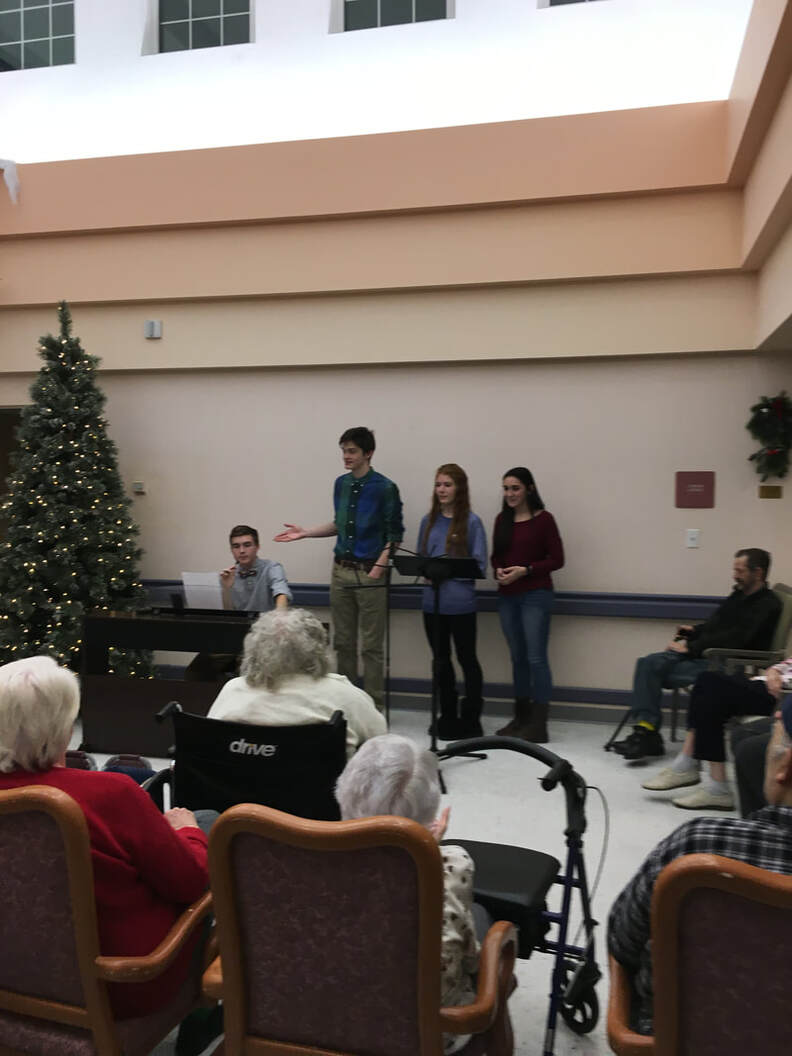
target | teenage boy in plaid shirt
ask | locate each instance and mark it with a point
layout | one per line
(367, 525)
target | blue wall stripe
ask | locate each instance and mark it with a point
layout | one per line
(567, 603)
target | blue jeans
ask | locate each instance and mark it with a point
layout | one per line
(525, 619)
(655, 672)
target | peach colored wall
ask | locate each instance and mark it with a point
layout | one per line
(775, 282)
(161, 230)
(627, 151)
(768, 192)
(607, 318)
(762, 72)
(669, 234)
(544, 245)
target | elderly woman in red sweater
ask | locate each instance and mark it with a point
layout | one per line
(147, 866)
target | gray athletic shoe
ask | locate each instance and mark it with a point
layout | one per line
(669, 778)
(705, 799)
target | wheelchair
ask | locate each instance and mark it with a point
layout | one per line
(217, 764)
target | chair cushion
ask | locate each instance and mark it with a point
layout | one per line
(733, 975)
(37, 911)
(38, 1037)
(328, 967)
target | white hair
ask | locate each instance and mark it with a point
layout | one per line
(282, 643)
(390, 774)
(39, 702)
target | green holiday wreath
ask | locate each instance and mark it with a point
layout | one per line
(771, 424)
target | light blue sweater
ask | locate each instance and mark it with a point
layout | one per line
(457, 596)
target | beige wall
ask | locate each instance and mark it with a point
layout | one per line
(762, 72)
(768, 192)
(609, 318)
(672, 235)
(603, 437)
(774, 321)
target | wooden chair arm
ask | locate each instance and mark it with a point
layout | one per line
(622, 1039)
(496, 967)
(143, 969)
(213, 980)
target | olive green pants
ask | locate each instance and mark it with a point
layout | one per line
(358, 606)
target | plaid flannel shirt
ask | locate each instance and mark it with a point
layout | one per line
(764, 839)
(368, 515)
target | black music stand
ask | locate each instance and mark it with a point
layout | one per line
(437, 570)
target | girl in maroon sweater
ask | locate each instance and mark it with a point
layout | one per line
(526, 549)
(147, 866)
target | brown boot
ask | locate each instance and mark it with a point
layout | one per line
(535, 729)
(522, 715)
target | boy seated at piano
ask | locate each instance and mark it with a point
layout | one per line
(250, 584)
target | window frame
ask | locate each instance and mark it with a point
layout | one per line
(151, 31)
(45, 5)
(558, 3)
(337, 10)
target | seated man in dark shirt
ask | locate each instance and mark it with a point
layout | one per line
(764, 839)
(746, 620)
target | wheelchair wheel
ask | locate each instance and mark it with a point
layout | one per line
(582, 1016)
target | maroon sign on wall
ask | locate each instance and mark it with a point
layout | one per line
(695, 491)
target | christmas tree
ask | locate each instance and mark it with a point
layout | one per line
(71, 546)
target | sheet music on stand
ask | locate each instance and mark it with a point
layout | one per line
(202, 590)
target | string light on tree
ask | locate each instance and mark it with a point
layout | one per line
(72, 545)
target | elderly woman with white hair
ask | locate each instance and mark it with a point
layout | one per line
(147, 866)
(392, 775)
(286, 681)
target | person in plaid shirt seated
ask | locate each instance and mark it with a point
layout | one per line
(763, 839)
(367, 525)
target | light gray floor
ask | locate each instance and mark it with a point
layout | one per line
(500, 799)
